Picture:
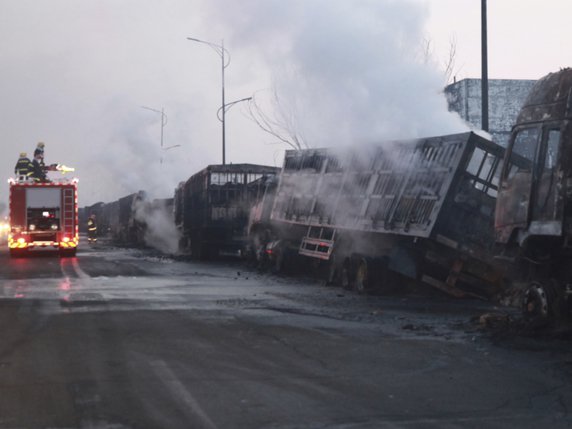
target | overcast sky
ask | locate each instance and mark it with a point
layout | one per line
(75, 74)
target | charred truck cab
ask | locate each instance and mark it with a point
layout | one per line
(43, 216)
(533, 220)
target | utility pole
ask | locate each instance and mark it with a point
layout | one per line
(222, 52)
(484, 70)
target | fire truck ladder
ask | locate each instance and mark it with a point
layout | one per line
(68, 214)
(318, 242)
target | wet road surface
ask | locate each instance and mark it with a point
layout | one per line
(121, 338)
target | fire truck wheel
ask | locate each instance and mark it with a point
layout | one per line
(362, 280)
(18, 253)
(67, 253)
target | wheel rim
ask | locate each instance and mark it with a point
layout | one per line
(536, 304)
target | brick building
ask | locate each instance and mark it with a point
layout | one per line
(506, 97)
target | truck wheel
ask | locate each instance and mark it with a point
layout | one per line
(362, 280)
(67, 253)
(333, 276)
(541, 304)
(17, 253)
(346, 277)
(278, 266)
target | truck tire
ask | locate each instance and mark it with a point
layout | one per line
(363, 276)
(18, 253)
(279, 262)
(346, 275)
(67, 253)
(542, 304)
(333, 275)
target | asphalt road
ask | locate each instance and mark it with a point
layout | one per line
(121, 338)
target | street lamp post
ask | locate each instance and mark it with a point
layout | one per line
(163, 119)
(220, 50)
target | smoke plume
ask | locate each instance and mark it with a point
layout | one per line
(160, 231)
(350, 71)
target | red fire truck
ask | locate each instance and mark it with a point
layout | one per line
(43, 215)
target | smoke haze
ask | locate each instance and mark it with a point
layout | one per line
(75, 75)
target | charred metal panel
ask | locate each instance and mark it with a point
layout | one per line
(397, 188)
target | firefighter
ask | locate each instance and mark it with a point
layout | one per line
(91, 230)
(24, 168)
(38, 169)
(39, 151)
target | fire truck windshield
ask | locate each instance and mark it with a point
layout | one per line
(43, 219)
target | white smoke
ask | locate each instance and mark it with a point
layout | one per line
(351, 71)
(159, 227)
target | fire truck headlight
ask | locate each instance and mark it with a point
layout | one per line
(32, 227)
(54, 227)
(21, 240)
(66, 239)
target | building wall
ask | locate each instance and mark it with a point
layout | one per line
(506, 97)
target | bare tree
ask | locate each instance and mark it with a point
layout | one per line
(281, 124)
(426, 51)
(427, 56)
(449, 64)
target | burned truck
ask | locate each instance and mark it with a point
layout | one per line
(212, 207)
(421, 209)
(533, 220)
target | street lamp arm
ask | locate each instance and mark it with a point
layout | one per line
(219, 49)
(229, 105)
(153, 110)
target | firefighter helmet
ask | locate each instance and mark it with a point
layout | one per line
(23, 154)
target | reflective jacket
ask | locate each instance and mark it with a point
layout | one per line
(91, 226)
(38, 172)
(24, 167)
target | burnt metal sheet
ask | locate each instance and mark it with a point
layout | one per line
(398, 187)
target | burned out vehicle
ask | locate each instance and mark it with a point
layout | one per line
(533, 219)
(457, 212)
(120, 220)
(212, 207)
(422, 209)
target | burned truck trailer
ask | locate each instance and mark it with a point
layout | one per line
(423, 209)
(212, 207)
(43, 215)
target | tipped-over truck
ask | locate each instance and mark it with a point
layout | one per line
(43, 215)
(422, 209)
